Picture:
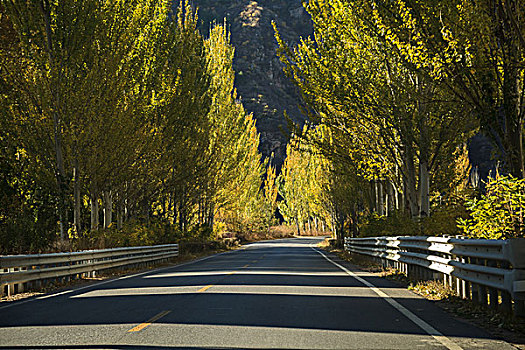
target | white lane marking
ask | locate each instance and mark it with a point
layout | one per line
(112, 280)
(449, 344)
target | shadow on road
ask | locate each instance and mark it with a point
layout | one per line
(281, 284)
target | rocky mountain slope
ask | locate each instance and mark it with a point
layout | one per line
(263, 87)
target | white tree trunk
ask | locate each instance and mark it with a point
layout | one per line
(381, 203)
(424, 183)
(76, 189)
(410, 182)
(120, 211)
(94, 212)
(396, 196)
(424, 154)
(108, 208)
(387, 204)
(376, 195)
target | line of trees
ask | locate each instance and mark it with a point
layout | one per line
(395, 89)
(117, 113)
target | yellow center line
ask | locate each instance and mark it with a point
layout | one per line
(203, 289)
(246, 265)
(231, 273)
(150, 321)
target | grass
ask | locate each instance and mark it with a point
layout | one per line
(432, 290)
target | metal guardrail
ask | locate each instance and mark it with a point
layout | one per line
(488, 271)
(17, 270)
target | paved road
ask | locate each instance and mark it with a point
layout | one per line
(278, 294)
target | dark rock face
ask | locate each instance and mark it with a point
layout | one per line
(260, 82)
(484, 159)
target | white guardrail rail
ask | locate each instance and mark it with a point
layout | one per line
(17, 271)
(487, 271)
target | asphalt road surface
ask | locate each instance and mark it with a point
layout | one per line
(274, 294)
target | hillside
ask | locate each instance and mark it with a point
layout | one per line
(263, 88)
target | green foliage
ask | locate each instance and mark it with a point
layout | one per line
(499, 212)
(132, 234)
(444, 220)
(383, 119)
(397, 224)
(234, 180)
(476, 48)
(122, 114)
(302, 184)
(270, 192)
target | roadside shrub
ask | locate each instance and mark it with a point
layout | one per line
(499, 213)
(443, 220)
(131, 235)
(397, 224)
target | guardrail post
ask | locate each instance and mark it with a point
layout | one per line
(21, 286)
(483, 295)
(427, 274)
(3, 287)
(466, 289)
(519, 308)
(515, 251)
(464, 285)
(506, 299)
(493, 292)
(10, 286)
(474, 291)
(506, 302)
(474, 288)
(482, 290)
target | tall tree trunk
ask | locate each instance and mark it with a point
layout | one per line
(513, 119)
(120, 213)
(388, 198)
(398, 197)
(57, 122)
(424, 155)
(76, 189)
(410, 181)
(108, 208)
(126, 210)
(376, 196)
(381, 202)
(404, 201)
(94, 211)
(424, 184)
(511, 42)
(355, 221)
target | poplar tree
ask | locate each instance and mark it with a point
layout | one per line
(384, 119)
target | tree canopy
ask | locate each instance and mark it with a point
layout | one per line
(398, 88)
(118, 114)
